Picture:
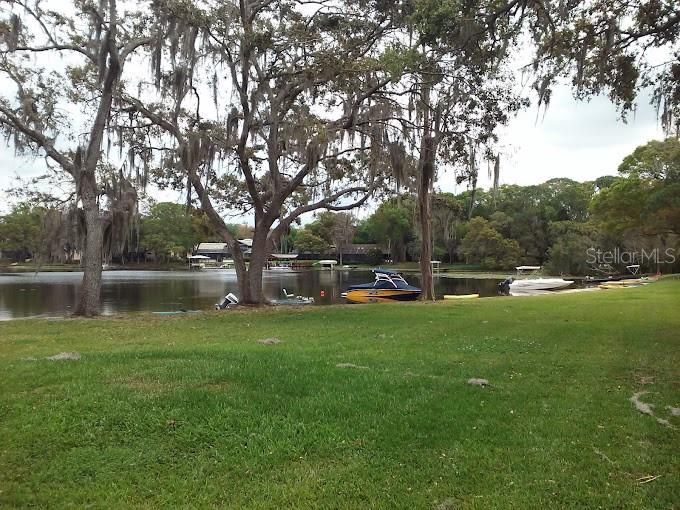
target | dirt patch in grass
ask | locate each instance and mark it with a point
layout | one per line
(65, 356)
(351, 365)
(643, 380)
(143, 384)
(217, 386)
(603, 455)
(447, 504)
(152, 384)
(269, 341)
(647, 409)
(640, 405)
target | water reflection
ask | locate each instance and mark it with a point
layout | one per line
(32, 294)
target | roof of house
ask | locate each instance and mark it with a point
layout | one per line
(212, 248)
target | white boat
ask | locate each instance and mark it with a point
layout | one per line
(197, 261)
(539, 284)
(327, 263)
(520, 284)
(281, 261)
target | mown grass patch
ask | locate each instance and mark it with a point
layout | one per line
(195, 412)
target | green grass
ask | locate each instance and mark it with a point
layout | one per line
(192, 412)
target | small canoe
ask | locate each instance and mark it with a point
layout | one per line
(460, 296)
(625, 283)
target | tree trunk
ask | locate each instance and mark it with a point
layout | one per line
(425, 178)
(249, 277)
(257, 263)
(241, 273)
(426, 167)
(258, 259)
(86, 180)
(425, 216)
(90, 289)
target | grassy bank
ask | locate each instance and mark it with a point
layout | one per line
(194, 412)
(72, 268)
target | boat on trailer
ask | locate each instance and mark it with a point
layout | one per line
(388, 286)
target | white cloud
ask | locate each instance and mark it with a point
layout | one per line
(580, 140)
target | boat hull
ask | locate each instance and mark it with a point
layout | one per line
(625, 284)
(631, 282)
(539, 284)
(381, 295)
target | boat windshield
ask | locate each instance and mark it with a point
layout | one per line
(528, 270)
(393, 281)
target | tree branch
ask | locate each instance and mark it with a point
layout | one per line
(156, 118)
(325, 203)
(131, 46)
(110, 78)
(38, 138)
(54, 47)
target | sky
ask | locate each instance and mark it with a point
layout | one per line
(575, 139)
(578, 140)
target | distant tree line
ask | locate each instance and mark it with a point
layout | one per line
(166, 233)
(561, 224)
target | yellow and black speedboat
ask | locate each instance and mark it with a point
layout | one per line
(388, 286)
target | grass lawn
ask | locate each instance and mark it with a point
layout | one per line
(193, 412)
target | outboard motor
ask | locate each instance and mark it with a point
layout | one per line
(504, 286)
(229, 301)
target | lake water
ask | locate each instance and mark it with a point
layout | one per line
(47, 294)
